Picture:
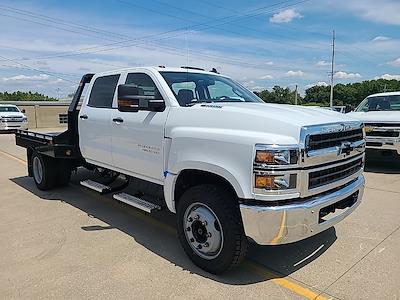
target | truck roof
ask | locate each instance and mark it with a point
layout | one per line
(385, 94)
(5, 104)
(160, 69)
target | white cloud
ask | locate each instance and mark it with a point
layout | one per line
(319, 83)
(285, 16)
(388, 77)
(269, 63)
(298, 73)
(383, 11)
(345, 75)
(267, 77)
(395, 62)
(322, 63)
(381, 38)
(24, 78)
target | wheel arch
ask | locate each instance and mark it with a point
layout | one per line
(176, 185)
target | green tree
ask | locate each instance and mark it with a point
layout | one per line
(279, 95)
(25, 96)
(350, 94)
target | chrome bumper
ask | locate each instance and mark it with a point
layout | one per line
(13, 125)
(384, 143)
(274, 225)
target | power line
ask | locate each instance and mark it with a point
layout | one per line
(37, 70)
(77, 52)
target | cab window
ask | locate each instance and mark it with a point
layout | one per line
(103, 90)
(146, 85)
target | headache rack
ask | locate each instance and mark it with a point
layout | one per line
(60, 144)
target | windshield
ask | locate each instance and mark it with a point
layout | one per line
(378, 103)
(191, 88)
(8, 109)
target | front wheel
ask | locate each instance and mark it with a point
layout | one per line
(210, 228)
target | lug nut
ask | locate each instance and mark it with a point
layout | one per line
(197, 217)
(204, 223)
(188, 229)
(209, 234)
(190, 219)
(192, 240)
(206, 244)
(199, 246)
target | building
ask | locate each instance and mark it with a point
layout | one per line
(43, 114)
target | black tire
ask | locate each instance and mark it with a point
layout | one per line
(43, 171)
(234, 242)
(63, 172)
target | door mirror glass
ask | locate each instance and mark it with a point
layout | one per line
(23, 110)
(132, 99)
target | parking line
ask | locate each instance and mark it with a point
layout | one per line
(279, 236)
(250, 265)
(13, 157)
(288, 284)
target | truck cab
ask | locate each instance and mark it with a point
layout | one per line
(232, 168)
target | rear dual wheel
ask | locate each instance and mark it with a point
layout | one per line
(49, 172)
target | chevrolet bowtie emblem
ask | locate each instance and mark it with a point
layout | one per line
(369, 128)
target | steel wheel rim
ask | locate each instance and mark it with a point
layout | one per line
(37, 169)
(203, 231)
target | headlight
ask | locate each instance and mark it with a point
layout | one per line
(273, 167)
(275, 182)
(24, 119)
(272, 155)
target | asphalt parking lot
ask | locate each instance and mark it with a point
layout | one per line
(73, 243)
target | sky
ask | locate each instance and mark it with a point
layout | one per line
(47, 45)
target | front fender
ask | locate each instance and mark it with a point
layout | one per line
(229, 160)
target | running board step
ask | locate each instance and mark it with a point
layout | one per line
(96, 186)
(137, 202)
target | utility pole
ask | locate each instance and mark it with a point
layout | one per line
(295, 96)
(385, 88)
(332, 66)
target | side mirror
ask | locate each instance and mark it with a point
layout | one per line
(23, 110)
(131, 99)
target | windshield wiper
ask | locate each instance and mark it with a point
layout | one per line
(197, 102)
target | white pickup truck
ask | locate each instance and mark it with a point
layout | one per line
(233, 168)
(12, 118)
(381, 115)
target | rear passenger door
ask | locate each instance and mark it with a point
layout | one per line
(94, 122)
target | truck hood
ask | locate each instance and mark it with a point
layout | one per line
(376, 116)
(11, 114)
(271, 123)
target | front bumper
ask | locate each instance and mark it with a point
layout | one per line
(383, 143)
(13, 125)
(274, 225)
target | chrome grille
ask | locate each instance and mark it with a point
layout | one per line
(333, 139)
(383, 133)
(383, 124)
(330, 175)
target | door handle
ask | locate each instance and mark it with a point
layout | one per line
(118, 120)
(83, 117)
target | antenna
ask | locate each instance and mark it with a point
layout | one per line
(332, 66)
(187, 47)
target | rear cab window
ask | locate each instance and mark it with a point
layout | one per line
(102, 93)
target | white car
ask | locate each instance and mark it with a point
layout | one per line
(12, 118)
(199, 144)
(381, 116)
